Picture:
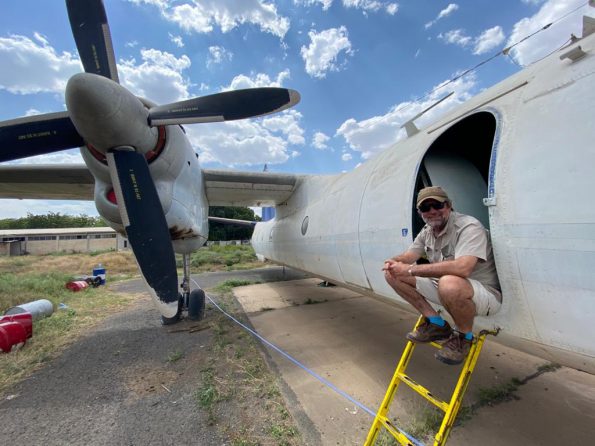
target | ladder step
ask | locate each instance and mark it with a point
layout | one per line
(398, 434)
(443, 405)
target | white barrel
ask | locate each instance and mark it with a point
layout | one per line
(38, 309)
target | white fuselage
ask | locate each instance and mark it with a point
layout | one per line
(526, 146)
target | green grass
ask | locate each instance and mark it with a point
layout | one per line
(226, 286)
(228, 257)
(175, 356)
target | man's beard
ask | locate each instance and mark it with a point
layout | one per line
(435, 222)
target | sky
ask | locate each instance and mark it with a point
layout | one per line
(362, 68)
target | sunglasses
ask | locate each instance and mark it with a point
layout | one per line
(425, 207)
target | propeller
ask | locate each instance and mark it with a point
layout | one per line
(37, 135)
(90, 29)
(145, 224)
(107, 116)
(226, 106)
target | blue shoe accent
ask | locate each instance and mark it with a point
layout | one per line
(469, 335)
(437, 320)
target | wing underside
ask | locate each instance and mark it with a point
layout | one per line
(75, 182)
(38, 181)
(234, 188)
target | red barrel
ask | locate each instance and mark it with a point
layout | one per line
(11, 334)
(77, 285)
(25, 319)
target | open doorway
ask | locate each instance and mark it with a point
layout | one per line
(459, 161)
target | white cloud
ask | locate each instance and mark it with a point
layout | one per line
(33, 66)
(488, 40)
(20, 208)
(202, 16)
(326, 4)
(373, 135)
(159, 77)
(323, 52)
(217, 55)
(177, 40)
(547, 41)
(286, 123)
(72, 156)
(346, 156)
(319, 140)
(456, 37)
(364, 5)
(452, 7)
(392, 8)
(258, 80)
(269, 139)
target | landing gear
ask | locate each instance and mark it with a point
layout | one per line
(191, 301)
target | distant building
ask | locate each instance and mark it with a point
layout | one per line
(46, 241)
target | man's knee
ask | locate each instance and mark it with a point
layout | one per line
(453, 288)
(398, 283)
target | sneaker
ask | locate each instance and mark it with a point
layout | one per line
(428, 332)
(454, 350)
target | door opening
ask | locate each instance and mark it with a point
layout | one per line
(459, 161)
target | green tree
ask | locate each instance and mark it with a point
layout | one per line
(52, 220)
(222, 231)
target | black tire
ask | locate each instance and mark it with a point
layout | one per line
(196, 305)
(176, 318)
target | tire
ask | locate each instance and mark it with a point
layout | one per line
(196, 305)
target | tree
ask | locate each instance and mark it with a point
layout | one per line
(222, 231)
(52, 220)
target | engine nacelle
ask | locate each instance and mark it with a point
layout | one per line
(176, 172)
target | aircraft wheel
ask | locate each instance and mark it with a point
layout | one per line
(176, 318)
(196, 305)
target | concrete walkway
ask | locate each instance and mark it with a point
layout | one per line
(355, 342)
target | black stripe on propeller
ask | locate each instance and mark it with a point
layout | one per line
(226, 106)
(145, 224)
(37, 135)
(90, 29)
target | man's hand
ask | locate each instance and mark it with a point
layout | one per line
(395, 268)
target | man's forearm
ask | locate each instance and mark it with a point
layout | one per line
(461, 267)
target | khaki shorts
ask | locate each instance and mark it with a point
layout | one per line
(486, 302)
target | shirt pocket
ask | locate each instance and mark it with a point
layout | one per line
(447, 253)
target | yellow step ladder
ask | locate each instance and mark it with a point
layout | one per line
(450, 409)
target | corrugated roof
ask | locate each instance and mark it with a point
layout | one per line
(54, 231)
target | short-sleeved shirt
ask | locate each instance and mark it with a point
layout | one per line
(463, 235)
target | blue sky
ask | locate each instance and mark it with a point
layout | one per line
(362, 67)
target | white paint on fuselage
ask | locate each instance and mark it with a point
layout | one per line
(541, 213)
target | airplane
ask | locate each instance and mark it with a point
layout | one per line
(518, 156)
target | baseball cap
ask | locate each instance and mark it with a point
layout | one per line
(434, 192)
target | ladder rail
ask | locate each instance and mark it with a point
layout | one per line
(450, 409)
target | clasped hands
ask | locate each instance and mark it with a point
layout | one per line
(396, 268)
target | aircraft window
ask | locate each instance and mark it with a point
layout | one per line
(305, 225)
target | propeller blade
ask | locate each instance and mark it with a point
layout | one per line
(145, 226)
(226, 106)
(92, 36)
(37, 135)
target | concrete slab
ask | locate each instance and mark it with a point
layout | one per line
(355, 342)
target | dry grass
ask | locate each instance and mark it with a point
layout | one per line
(118, 263)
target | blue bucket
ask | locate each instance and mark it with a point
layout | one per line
(99, 270)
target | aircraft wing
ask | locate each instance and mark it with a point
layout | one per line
(75, 182)
(46, 181)
(235, 188)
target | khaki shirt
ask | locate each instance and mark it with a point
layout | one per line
(463, 235)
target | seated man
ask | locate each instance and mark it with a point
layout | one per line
(461, 275)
